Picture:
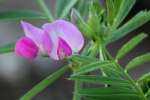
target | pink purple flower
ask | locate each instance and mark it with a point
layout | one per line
(58, 39)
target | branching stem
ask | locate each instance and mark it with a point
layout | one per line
(138, 89)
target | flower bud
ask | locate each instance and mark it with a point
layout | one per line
(25, 47)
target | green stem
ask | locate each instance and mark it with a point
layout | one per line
(138, 89)
(135, 86)
(101, 55)
(44, 83)
(77, 86)
(45, 10)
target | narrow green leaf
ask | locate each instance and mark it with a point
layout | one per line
(110, 11)
(92, 66)
(101, 80)
(130, 45)
(82, 58)
(143, 82)
(79, 21)
(134, 23)
(60, 5)
(45, 9)
(86, 49)
(110, 91)
(114, 97)
(7, 48)
(20, 15)
(83, 7)
(117, 4)
(95, 16)
(124, 9)
(145, 77)
(138, 61)
(44, 83)
(148, 94)
(63, 7)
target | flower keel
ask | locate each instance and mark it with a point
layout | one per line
(63, 50)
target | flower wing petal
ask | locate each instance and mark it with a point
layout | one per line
(70, 33)
(38, 36)
(50, 29)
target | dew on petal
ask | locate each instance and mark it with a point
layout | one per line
(26, 48)
(63, 50)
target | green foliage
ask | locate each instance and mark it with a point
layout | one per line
(110, 10)
(63, 7)
(83, 7)
(138, 61)
(145, 77)
(143, 81)
(134, 23)
(101, 80)
(92, 67)
(109, 93)
(79, 21)
(82, 58)
(124, 9)
(94, 16)
(130, 45)
(129, 89)
(45, 9)
(7, 48)
(20, 15)
(102, 25)
(44, 83)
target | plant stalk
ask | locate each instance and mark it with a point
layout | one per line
(138, 89)
(77, 86)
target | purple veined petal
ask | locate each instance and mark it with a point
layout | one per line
(63, 50)
(68, 32)
(32, 32)
(46, 43)
(41, 39)
(25, 47)
(54, 38)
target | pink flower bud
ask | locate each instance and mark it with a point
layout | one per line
(25, 47)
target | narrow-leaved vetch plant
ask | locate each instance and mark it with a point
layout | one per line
(79, 32)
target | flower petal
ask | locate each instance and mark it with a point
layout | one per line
(32, 32)
(63, 50)
(68, 32)
(41, 38)
(26, 47)
(50, 29)
(46, 43)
